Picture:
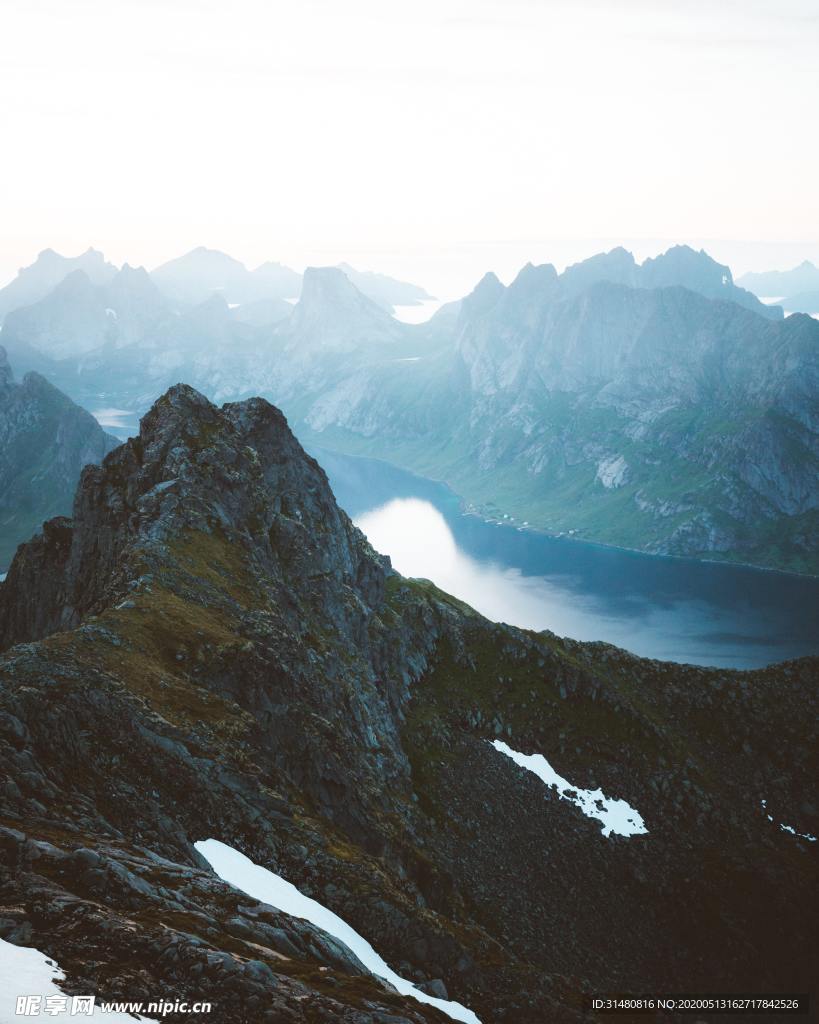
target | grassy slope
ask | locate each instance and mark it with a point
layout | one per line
(566, 498)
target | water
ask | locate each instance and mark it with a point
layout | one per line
(122, 423)
(676, 609)
(420, 312)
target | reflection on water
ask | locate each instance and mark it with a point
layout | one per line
(121, 420)
(416, 537)
(418, 313)
(674, 609)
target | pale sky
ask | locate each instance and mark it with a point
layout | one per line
(433, 138)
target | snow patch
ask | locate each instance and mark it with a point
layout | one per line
(612, 472)
(788, 828)
(261, 884)
(616, 815)
(25, 971)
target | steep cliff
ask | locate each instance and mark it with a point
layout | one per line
(45, 440)
(209, 648)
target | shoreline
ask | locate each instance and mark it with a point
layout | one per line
(470, 509)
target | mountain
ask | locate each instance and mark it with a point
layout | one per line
(804, 278)
(802, 302)
(332, 314)
(79, 317)
(125, 342)
(681, 266)
(93, 341)
(263, 313)
(387, 292)
(45, 440)
(209, 649)
(49, 269)
(650, 418)
(194, 277)
(198, 275)
(653, 406)
(274, 281)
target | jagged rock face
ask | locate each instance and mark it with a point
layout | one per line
(711, 408)
(213, 650)
(80, 317)
(334, 316)
(45, 440)
(679, 267)
(230, 475)
(69, 321)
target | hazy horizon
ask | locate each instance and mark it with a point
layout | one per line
(449, 274)
(431, 141)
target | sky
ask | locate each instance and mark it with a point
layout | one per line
(435, 139)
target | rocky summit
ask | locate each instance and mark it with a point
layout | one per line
(209, 649)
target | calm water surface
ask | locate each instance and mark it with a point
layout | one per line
(671, 608)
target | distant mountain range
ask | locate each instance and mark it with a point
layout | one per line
(649, 418)
(48, 270)
(196, 277)
(655, 406)
(796, 290)
(680, 266)
(45, 441)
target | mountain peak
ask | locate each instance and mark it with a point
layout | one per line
(320, 283)
(533, 276)
(181, 411)
(48, 255)
(76, 283)
(617, 265)
(137, 282)
(680, 264)
(193, 277)
(235, 473)
(333, 313)
(483, 296)
(202, 253)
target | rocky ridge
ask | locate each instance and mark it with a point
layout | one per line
(209, 648)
